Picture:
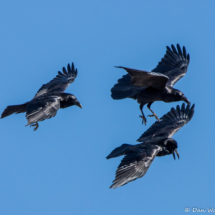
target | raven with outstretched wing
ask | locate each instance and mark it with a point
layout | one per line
(156, 141)
(148, 87)
(48, 100)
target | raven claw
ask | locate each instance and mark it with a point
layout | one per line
(143, 119)
(36, 125)
(154, 116)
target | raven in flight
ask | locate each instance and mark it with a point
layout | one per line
(148, 87)
(156, 141)
(48, 100)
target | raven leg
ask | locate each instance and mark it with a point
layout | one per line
(143, 117)
(153, 113)
(36, 125)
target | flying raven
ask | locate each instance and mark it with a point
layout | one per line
(48, 100)
(148, 87)
(156, 141)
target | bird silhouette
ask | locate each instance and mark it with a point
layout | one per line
(48, 100)
(148, 87)
(156, 141)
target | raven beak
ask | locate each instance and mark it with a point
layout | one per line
(185, 100)
(173, 153)
(78, 104)
(177, 153)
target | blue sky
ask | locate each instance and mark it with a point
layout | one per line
(61, 168)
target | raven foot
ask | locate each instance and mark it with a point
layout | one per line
(36, 125)
(155, 116)
(143, 119)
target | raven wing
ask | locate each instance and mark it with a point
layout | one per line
(170, 123)
(123, 89)
(140, 78)
(60, 82)
(174, 64)
(39, 110)
(135, 164)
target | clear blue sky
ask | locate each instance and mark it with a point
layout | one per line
(61, 168)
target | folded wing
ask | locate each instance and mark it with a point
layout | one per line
(170, 123)
(123, 89)
(39, 110)
(60, 82)
(135, 164)
(174, 64)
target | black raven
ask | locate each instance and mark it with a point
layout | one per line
(148, 87)
(156, 141)
(48, 100)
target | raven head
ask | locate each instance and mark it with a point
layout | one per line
(171, 147)
(74, 101)
(69, 100)
(180, 96)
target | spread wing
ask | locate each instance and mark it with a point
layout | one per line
(39, 110)
(60, 82)
(142, 78)
(174, 64)
(170, 123)
(135, 164)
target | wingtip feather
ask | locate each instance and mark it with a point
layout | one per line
(174, 49)
(184, 52)
(179, 49)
